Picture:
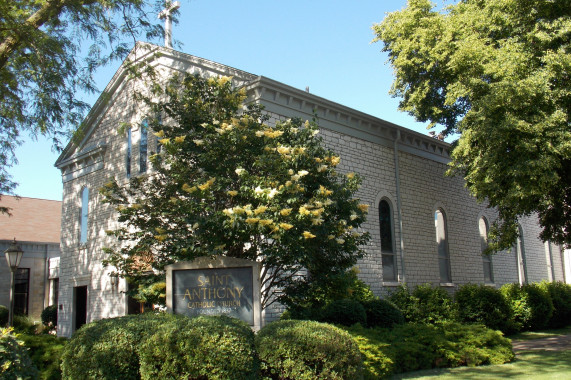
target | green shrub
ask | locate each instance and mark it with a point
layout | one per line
(24, 324)
(378, 358)
(200, 348)
(345, 312)
(4, 315)
(307, 350)
(382, 313)
(15, 363)
(560, 294)
(411, 347)
(483, 304)
(531, 305)
(305, 300)
(49, 316)
(45, 351)
(425, 304)
(108, 348)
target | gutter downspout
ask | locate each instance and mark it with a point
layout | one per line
(399, 205)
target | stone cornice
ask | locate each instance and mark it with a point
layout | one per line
(286, 100)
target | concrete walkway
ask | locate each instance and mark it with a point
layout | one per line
(554, 343)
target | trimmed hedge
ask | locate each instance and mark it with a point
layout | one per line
(425, 304)
(108, 348)
(560, 294)
(531, 305)
(484, 304)
(412, 347)
(307, 350)
(4, 315)
(345, 312)
(15, 363)
(382, 313)
(204, 347)
(49, 316)
(161, 345)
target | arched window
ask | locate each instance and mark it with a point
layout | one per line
(520, 257)
(128, 156)
(487, 259)
(84, 215)
(387, 241)
(143, 147)
(442, 241)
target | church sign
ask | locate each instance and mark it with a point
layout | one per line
(215, 286)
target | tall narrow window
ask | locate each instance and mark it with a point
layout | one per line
(442, 241)
(84, 215)
(128, 157)
(387, 241)
(21, 290)
(487, 259)
(143, 147)
(520, 257)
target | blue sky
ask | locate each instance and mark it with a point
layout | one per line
(321, 44)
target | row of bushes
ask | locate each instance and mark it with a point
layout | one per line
(414, 346)
(157, 346)
(511, 308)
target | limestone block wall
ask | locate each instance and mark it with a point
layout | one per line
(36, 258)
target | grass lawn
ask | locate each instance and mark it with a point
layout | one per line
(530, 365)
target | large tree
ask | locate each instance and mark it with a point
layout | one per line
(49, 51)
(498, 73)
(227, 183)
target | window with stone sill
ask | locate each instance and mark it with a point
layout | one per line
(442, 242)
(84, 216)
(387, 241)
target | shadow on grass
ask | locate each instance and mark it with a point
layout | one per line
(537, 365)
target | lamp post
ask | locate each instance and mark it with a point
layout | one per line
(13, 256)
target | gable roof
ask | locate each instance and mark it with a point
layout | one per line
(273, 95)
(32, 220)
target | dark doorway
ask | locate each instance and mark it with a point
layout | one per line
(80, 306)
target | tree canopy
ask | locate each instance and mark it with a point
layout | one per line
(49, 51)
(228, 183)
(498, 73)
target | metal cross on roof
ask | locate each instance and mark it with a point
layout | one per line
(167, 15)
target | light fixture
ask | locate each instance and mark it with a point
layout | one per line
(114, 279)
(13, 256)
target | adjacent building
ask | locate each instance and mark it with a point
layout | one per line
(425, 227)
(35, 224)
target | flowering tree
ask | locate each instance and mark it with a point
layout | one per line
(226, 183)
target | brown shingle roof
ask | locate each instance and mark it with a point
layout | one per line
(32, 220)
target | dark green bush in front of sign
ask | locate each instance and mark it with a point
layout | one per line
(294, 349)
(382, 313)
(200, 348)
(345, 312)
(108, 348)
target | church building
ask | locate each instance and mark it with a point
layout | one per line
(425, 227)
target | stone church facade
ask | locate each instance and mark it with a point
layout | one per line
(425, 227)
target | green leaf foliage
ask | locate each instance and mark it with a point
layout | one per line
(560, 294)
(411, 347)
(108, 348)
(531, 305)
(204, 347)
(425, 304)
(307, 350)
(345, 312)
(49, 316)
(4, 315)
(485, 305)
(382, 313)
(498, 73)
(45, 351)
(49, 52)
(228, 183)
(15, 363)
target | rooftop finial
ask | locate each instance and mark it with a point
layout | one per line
(167, 15)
